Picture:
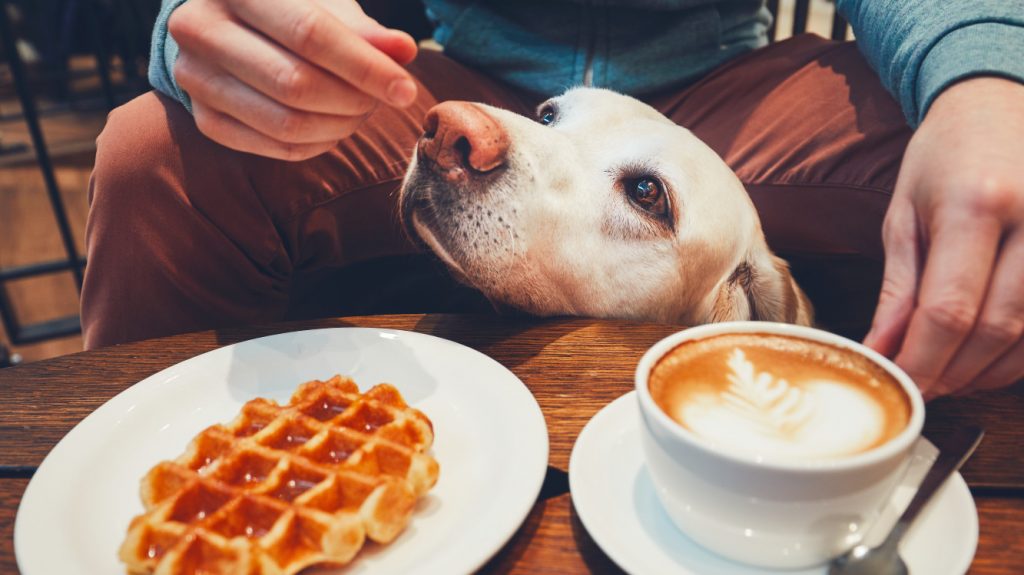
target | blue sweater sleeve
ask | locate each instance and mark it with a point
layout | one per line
(163, 53)
(921, 47)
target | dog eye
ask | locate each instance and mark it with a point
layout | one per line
(648, 194)
(546, 114)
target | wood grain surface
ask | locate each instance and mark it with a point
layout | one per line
(574, 367)
(10, 496)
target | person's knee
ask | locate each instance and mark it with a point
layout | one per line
(136, 147)
(177, 237)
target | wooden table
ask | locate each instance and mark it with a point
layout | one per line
(574, 367)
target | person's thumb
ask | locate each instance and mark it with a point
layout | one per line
(900, 280)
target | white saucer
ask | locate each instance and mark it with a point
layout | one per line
(615, 500)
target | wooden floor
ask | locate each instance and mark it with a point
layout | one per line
(28, 233)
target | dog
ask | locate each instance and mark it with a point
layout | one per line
(600, 206)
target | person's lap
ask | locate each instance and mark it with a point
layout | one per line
(817, 141)
(185, 234)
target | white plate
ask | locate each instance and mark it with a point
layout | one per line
(615, 500)
(491, 444)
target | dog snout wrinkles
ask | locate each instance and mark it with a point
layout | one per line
(460, 138)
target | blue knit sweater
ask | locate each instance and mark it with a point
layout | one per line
(918, 47)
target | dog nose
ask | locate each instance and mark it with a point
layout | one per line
(461, 137)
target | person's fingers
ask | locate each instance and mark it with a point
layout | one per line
(1007, 370)
(1000, 324)
(268, 68)
(397, 44)
(955, 279)
(314, 34)
(229, 132)
(899, 281)
(219, 90)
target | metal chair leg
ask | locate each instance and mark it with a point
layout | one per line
(42, 154)
(102, 56)
(839, 26)
(801, 9)
(8, 358)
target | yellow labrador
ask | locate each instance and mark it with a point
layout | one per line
(599, 207)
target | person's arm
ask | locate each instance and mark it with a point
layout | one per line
(921, 47)
(285, 79)
(951, 309)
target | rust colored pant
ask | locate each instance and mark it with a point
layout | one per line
(185, 234)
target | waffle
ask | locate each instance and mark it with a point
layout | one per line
(283, 488)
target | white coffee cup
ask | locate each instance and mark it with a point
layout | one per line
(775, 514)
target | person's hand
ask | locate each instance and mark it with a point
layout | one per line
(951, 309)
(287, 79)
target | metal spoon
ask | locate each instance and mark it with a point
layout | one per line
(885, 558)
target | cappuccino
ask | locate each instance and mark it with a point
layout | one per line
(779, 398)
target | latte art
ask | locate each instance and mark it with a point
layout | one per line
(771, 404)
(778, 397)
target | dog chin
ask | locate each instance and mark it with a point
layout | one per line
(427, 236)
(512, 300)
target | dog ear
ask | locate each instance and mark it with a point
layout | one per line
(761, 289)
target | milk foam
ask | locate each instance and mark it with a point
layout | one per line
(770, 417)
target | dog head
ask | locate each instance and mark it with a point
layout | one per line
(600, 206)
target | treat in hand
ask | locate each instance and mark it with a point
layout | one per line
(283, 488)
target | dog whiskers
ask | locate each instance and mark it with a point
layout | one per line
(513, 248)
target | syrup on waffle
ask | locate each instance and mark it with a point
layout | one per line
(282, 488)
